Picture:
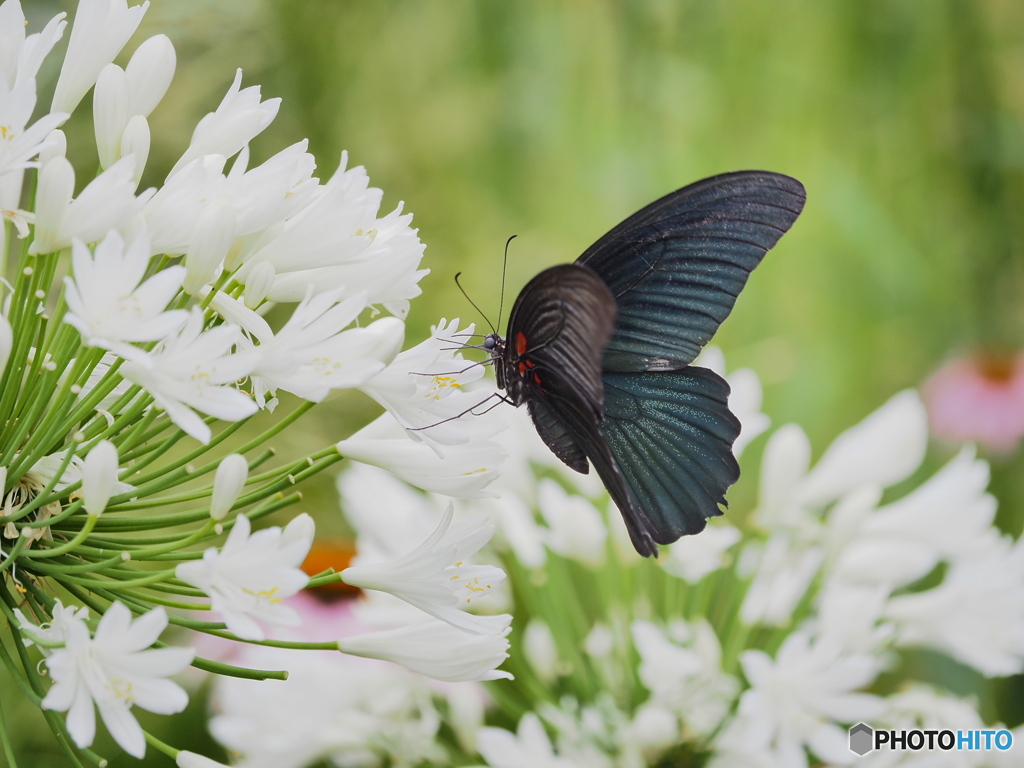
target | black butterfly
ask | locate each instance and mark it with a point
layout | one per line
(600, 349)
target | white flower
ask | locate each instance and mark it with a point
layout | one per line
(195, 369)
(110, 304)
(540, 650)
(783, 574)
(115, 669)
(123, 95)
(796, 700)
(653, 730)
(254, 199)
(342, 709)
(744, 397)
(784, 466)
(248, 579)
(316, 352)
(976, 614)
(949, 517)
(694, 557)
(576, 529)
(239, 118)
(686, 679)
(150, 72)
(54, 631)
(463, 471)
(882, 450)
(21, 55)
(18, 143)
(388, 516)
(435, 577)
(99, 477)
(20, 59)
(110, 113)
(101, 29)
(849, 615)
(438, 650)
(530, 746)
(186, 759)
(424, 387)
(212, 238)
(107, 202)
(338, 243)
(228, 482)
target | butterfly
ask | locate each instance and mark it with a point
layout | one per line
(600, 350)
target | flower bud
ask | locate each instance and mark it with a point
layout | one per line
(149, 74)
(99, 477)
(227, 484)
(214, 233)
(257, 284)
(56, 145)
(135, 141)
(53, 195)
(110, 113)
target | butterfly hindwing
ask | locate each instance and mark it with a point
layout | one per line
(671, 433)
(676, 267)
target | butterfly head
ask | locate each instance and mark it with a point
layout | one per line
(494, 344)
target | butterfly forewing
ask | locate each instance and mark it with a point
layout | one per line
(557, 331)
(676, 267)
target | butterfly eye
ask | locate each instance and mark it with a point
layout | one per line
(490, 342)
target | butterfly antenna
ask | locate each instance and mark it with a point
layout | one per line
(457, 275)
(504, 265)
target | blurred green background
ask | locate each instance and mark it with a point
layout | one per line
(554, 119)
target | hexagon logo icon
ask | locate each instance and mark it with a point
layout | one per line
(862, 739)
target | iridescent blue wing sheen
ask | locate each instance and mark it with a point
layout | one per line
(671, 433)
(676, 267)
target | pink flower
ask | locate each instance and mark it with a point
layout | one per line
(978, 398)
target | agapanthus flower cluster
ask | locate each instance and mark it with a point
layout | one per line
(154, 337)
(758, 642)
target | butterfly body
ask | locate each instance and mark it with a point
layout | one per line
(600, 350)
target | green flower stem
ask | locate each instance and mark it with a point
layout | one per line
(53, 427)
(136, 434)
(179, 468)
(64, 514)
(43, 392)
(90, 523)
(96, 584)
(220, 668)
(151, 522)
(328, 578)
(74, 564)
(18, 676)
(158, 745)
(21, 318)
(147, 442)
(277, 428)
(12, 556)
(8, 749)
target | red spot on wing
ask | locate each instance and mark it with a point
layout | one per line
(522, 369)
(529, 363)
(520, 343)
(536, 378)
